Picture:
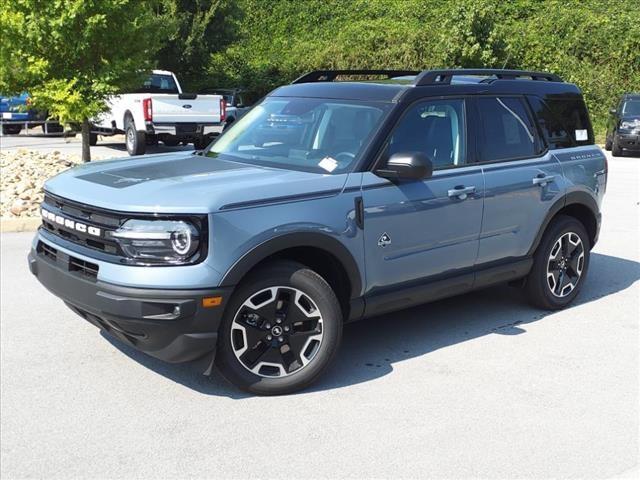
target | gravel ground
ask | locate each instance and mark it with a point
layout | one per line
(476, 386)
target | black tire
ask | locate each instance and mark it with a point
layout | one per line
(52, 128)
(171, 142)
(201, 143)
(292, 278)
(93, 139)
(538, 286)
(616, 151)
(136, 141)
(228, 123)
(11, 129)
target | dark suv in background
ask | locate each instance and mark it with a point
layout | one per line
(623, 128)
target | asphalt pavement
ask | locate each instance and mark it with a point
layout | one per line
(107, 147)
(480, 385)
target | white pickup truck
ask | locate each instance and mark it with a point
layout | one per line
(159, 111)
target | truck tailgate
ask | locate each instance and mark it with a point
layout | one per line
(202, 109)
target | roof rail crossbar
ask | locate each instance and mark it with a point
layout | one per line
(331, 75)
(443, 77)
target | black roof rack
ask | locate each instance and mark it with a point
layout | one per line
(430, 77)
(330, 75)
(443, 77)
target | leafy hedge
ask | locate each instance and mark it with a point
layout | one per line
(593, 43)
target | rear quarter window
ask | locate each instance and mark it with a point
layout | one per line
(555, 134)
(572, 114)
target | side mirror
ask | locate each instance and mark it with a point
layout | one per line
(407, 166)
(613, 111)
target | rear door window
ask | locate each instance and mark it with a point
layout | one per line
(506, 130)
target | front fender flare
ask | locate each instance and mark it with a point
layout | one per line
(241, 267)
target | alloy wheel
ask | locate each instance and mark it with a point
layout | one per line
(130, 138)
(276, 332)
(565, 264)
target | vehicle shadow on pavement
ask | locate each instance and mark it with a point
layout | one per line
(371, 347)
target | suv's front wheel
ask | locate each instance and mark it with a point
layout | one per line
(280, 331)
(559, 265)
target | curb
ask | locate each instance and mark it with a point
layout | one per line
(19, 224)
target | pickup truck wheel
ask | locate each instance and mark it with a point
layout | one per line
(93, 139)
(616, 151)
(135, 140)
(280, 330)
(11, 129)
(560, 264)
(201, 143)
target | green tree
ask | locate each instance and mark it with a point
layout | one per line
(71, 55)
(202, 27)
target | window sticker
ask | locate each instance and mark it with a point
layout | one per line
(328, 163)
(581, 135)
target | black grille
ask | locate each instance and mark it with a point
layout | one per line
(68, 262)
(86, 268)
(47, 251)
(86, 215)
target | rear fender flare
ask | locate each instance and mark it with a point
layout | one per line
(572, 198)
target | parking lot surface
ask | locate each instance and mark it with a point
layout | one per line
(107, 147)
(480, 385)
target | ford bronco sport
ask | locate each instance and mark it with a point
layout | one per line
(329, 202)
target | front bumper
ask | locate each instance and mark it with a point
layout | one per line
(628, 141)
(171, 325)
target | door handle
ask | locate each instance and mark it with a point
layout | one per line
(461, 192)
(543, 180)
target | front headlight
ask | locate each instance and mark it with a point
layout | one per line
(158, 241)
(630, 125)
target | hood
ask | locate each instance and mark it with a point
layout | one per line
(184, 183)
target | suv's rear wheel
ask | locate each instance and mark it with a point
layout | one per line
(560, 264)
(280, 331)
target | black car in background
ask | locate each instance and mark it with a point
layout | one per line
(623, 128)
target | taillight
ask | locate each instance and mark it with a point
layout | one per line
(147, 109)
(223, 109)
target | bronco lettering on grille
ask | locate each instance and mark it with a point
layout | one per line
(70, 224)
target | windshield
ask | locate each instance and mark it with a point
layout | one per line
(315, 135)
(631, 107)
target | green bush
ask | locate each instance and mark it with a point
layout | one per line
(593, 43)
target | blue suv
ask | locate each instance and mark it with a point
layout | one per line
(330, 201)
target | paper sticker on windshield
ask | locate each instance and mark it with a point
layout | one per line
(328, 163)
(581, 135)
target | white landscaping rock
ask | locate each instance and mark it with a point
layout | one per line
(22, 175)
